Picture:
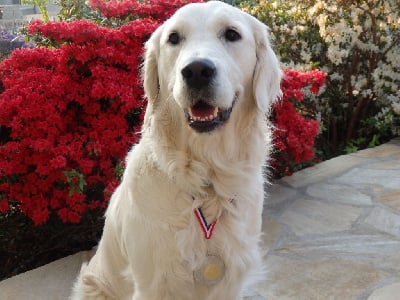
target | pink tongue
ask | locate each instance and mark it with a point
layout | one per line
(202, 109)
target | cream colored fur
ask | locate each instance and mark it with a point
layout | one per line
(152, 242)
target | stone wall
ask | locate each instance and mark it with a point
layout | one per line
(14, 15)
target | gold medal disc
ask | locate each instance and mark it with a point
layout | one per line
(211, 272)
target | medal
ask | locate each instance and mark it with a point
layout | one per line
(211, 272)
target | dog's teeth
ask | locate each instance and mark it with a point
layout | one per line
(215, 113)
(208, 118)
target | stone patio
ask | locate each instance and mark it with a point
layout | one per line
(331, 232)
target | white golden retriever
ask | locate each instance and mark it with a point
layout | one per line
(185, 222)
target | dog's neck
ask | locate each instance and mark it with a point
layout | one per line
(221, 160)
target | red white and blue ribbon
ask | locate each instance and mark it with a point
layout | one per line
(207, 228)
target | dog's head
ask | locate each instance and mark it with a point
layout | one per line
(208, 57)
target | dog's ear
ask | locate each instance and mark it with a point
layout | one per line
(150, 67)
(267, 73)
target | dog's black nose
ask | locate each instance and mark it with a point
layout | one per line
(199, 73)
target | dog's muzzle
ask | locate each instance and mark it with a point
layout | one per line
(203, 116)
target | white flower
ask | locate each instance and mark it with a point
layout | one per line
(396, 108)
(336, 76)
(367, 93)
(356, 41)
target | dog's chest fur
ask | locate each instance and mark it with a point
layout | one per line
(165, 204)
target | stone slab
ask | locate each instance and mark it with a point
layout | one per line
(271, 230)
(389, 292)
(294, 279)
(384, 150)
(278, 197)
(362, 177)
(306, 217)
(277, 194)
(323, 170)
(391, 199)
(50, 282)
(373, 249)
(385, 221)
(339, 193)
(385, 165)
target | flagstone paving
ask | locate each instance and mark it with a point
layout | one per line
(331, 232)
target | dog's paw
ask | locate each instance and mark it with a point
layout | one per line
(88, 287)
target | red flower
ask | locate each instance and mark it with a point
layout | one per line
(294, 136)
(58, 162)
(4, 205)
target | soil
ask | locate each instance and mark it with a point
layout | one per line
(24, 247)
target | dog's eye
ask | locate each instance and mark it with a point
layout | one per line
(174, 38)
(232, 35)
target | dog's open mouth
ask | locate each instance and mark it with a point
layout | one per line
(204, 117)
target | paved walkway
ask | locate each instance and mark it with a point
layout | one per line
(332, 232)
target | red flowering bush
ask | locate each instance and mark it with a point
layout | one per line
(68, 116)
(157, 9)
(295, 134)
(69, 113)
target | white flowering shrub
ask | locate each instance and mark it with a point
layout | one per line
(357, 42)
